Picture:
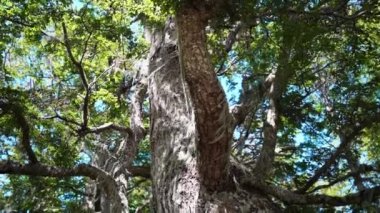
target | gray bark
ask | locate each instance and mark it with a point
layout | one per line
(173, 136)
(191, 130)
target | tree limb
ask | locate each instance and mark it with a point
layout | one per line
(85, 170)
(107, 127)
(82, 74)
(77, 64)
(289, 197)
(229, 42)
(275, 86)
(360, 170)
(71, 121)
(10, 167)
(345, 142)
(353, 164)
(142, 171)
(18, 113)
(250, 98)
(85, 48)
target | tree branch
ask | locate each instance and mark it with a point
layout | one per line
(289, 197)
(57, 115)
(252, 95)
(353, 164)
(82, 75)
(107, 127)
(345, 142)
(18, 113)
(229, 42)
(77, 64)
(85, 170)
(85, 48)
(360, 170)
(142, 171)
(275, 86)
(9, 167)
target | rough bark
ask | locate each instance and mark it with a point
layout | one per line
(119, 162)
(173, 136)
(213, 120)
(191, 127)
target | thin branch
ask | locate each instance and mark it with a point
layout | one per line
(329, 12)
(345, 142)
(85, 48)
(77, 64)
(53, 38)
(109, 126)
(252, 95)
(82, 75)
(360, 170)
(231, 38)
(229, 42)
(67, 120)
(115, 65)
(79, 192)
(20, 22)
(223, 69)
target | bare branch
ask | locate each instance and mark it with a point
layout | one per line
(109, 126)
(345, 142)
(231, 38)
(52, 38)
(9, 167)
(229, 42)
(252, 95)
(85, 170)
(139, 171)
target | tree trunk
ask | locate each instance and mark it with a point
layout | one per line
(176, 183)
(191, 128)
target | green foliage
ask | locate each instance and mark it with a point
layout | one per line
(139, 195)
(38, 74)
(41, 194)
(334, 62)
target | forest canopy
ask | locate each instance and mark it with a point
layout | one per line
(107, 105)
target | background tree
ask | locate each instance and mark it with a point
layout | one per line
(94, 93)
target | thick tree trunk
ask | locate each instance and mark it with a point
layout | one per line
(191, 127)
(213, 120)
(176, 183)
